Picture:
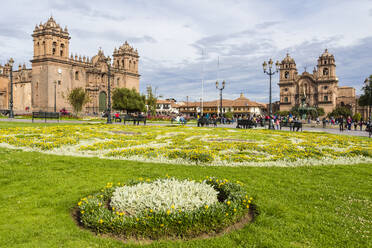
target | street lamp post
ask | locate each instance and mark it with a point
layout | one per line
(220, 89)
(11, 113)
(109, 91)
(270, 73)
(368, 85)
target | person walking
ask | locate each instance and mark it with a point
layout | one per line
(341, 123)
(277, 122)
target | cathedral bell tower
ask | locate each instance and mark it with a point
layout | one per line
(126, 61)
(326, 66)
(49, 65)
(50, 41)
(288, 69)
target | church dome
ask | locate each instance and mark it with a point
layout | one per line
(126, 48)
(288, 60)
(326, 54)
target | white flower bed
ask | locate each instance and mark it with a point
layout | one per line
(167, 195)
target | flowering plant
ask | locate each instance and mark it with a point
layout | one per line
(163, 195)
(160, 216)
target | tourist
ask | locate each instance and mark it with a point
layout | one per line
(277, 122)
(341, 123)
(348, 122)
(361, 124)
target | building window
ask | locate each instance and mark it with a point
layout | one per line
(325, 71)
(62, 49)
(325, 62)
(286, 74)
(326, 98)
(285, 89)
(117, 82)
(325, 87)
(285, 99)
(54, 48)
(76, 75)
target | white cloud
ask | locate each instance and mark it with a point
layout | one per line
(170, 35)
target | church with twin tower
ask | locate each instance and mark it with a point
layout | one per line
(45, 86)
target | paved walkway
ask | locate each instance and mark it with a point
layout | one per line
(332, 130)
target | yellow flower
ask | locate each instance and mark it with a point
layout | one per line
(227, 214)
(228, 202)
(249, 201)
(113, 209)
(168, 212)
(148, 180)
(79, 203)
(99, 204)
(122, 213)
(151, 211)
(137, 219)
(179, 222)
(100, 221)
(172, 206)
(247, 206)
(161, 225)
(234, 209)
(82, 211)
(206, 206)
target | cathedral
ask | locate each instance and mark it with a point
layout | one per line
(319, 89)
(54, 73)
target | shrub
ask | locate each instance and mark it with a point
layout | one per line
(101, 212)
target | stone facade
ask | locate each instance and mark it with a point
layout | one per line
(54, 73)
(319, 89)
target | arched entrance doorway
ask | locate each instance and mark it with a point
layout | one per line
(102, 101)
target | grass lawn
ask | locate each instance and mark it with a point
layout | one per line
(319, 206)
(303, 206)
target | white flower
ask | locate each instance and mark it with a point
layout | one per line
(163, 195)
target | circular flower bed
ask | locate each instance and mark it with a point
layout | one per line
(165, 208)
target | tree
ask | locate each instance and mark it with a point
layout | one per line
(77, 98)
(366, 98)
(229, 115)
(340, 111)
(357, 117)
(128, 100)
(151, 100)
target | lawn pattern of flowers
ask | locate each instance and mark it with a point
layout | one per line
(191, 145)
(171, 217)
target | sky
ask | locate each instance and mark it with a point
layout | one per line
(180, 42)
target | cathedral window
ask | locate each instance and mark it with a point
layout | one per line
(325, 62)
(286, 74)
(76, 75)
(285, 99)
(325, 87)
(117, 81)
(62, 49)
(285, 89)
(326, 98)
(325, 71)
(44, 47)
(54, 48)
